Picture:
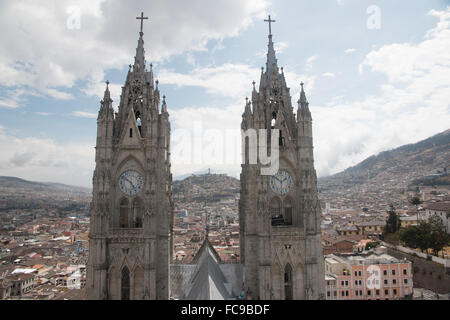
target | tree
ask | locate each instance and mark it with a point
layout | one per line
(393, 221)
(372, 244)
(438, 236)
(415, 201)
(424, 236)
(410, 237)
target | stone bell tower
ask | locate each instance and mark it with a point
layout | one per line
(130, 238)
(280, 214)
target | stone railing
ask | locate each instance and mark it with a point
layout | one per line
(126, 232)
(444, 262)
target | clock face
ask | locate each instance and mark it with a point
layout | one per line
(131, 182)
(281, 182)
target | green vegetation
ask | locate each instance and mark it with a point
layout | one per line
(426, 235)
(393, 222)
(372, 244)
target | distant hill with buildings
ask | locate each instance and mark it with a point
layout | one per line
(13, 184)
(206, 187)
(416, 163)
(390, 177)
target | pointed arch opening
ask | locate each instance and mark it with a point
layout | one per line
(288, 280)
(139, 121)
(125, 284)
(137, 209)
(281, 139)
(275, 212)
(138, 283)
(274, 120)
(124, 213)
(287, 207)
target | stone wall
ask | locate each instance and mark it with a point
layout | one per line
(426, 274)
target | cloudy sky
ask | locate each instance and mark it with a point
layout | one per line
(377, 75)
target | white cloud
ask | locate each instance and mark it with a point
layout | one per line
(218, 127)
(310, 61)
(44, 160)
(350, 50)
(280, 46)
(412, 105)
(206, 137)
(328, 75)
(9, 102)
(84, 114)
(230, 80)
(40, 52)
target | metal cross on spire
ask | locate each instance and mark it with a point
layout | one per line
(142, 18)
(270, 24)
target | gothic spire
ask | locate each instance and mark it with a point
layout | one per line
(107, 96)
(303, 104)
(106, 103)
(139, 59)
(271, 58)
(164, 105)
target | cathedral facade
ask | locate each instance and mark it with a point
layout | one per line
(130, 237)
(279, 214)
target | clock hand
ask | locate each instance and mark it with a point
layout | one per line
(131, 183)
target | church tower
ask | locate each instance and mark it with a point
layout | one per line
(280, 213)
(130, 237)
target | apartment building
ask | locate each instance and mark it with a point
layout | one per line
(377, 276)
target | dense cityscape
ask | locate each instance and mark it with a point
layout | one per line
(44, 249)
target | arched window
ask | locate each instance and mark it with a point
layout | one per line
(137, 213)
(281, 139)
(138, 121)
(247, 148)
(123, 217)
(288, 282)
(131, 132)
(275, 211)
(274, 118)
(287, 206)
(125, 284)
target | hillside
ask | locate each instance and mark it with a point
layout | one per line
(205, 187)
(16, 184)
(405, 163)
(16, 194)
(391, 172)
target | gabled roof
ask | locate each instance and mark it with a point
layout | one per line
(208, 282)
(206, 245)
